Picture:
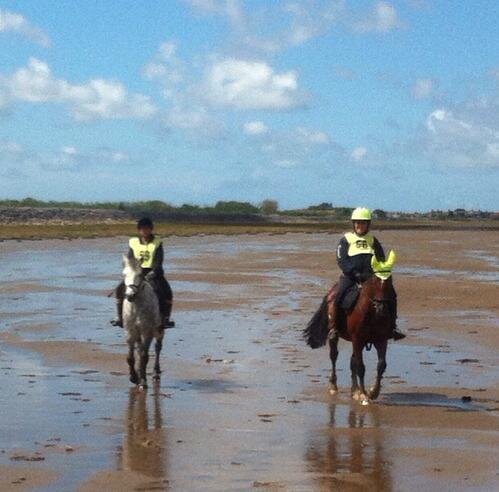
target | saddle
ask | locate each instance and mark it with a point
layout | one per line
(349, 299)
(347, 304)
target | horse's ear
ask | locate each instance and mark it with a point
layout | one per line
(383, 269)
(130, 262)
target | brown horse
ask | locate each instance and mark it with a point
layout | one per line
(369, 322)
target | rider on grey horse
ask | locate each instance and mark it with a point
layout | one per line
(147, 249)
(353, 255)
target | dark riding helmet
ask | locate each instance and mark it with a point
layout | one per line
(145, 222)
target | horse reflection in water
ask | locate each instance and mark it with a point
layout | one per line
(349, 455)
(144, 444)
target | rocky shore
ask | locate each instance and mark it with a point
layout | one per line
(57, 215)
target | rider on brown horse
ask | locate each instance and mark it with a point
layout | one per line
(354, 254)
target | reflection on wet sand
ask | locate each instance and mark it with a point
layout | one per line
(349, 453)
(144, 445)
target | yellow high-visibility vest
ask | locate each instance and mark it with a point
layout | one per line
(144, 253)
(360, 245)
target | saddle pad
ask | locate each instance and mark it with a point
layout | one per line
(350, 298)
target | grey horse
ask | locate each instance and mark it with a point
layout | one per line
(142, 321)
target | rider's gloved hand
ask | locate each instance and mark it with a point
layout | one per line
(150, 276)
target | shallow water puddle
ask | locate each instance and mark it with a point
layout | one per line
(242, 403)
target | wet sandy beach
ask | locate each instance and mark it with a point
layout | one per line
(243, 402)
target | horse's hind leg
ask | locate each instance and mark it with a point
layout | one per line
(381, 350)
(333, 354)
(134, 378)
(157, 347)
(144, 359)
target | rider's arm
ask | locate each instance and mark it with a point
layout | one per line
(344, 261)
(378, 250)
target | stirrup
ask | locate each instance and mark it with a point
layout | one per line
(117, 322)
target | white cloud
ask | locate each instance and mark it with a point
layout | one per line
(273, 26)
(270, 27)
(358, 154)
(69, 150)
(97, 99)
(255, 128)
(165, 67)
(20, 160)
(462, 139)
(251, 85)
(10, 147)
(311, 136)
(205, 5)
(119, 156)
(423, 88)
(383, 18)
(186, 118)
(13, 22)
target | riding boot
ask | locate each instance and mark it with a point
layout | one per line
(168, 310)
(396, 334)
(165, 297)
(118, 321)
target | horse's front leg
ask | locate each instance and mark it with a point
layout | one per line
(333, 354)
(358, 372)
(157, 347)
(134, 378)
(144, 359)
(381, 350)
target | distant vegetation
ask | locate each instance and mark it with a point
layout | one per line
(142, 207)
(37, 219)
(321, 211)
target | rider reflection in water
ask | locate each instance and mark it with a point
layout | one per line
(147, 249)
(353, 255)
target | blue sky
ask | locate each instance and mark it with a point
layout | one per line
(388, 104)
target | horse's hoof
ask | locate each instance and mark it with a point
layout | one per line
(134, 379)
(142, 387)
(356, 395)
(333, 390)
(373, 393)
(156, 377)
(363, 399)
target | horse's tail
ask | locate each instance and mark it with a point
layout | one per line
(317, 330)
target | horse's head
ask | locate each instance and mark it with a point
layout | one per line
(381, 294)
(381, 286)
(132, 274)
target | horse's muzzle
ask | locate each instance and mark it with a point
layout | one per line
(131, 293)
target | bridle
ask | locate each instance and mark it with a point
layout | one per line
(379, 304)
(135, 289)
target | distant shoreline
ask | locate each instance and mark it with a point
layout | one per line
(107, 228)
